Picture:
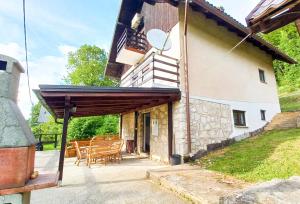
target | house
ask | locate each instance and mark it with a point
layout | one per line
(230, 93)
(196, 94)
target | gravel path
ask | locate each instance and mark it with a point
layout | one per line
(114, 183)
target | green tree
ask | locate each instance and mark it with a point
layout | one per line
(86, 67)
(87, 127)
(286, 39)
(49, 127)
(34, 116)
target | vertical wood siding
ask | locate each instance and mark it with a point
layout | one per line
(161, 15)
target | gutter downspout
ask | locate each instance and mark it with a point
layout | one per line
(186, 77)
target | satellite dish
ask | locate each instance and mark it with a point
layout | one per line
(159, 39)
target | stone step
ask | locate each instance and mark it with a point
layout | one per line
(285, 120)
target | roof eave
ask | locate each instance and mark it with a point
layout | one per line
(275, 52)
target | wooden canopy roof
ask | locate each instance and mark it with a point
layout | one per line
(269, 15)
(93, 101)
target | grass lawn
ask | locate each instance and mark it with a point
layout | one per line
(50, 147)
(274, 154)
(290, 101)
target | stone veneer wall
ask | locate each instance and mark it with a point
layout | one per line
(210, 123)
(158, 144)
(128, 126)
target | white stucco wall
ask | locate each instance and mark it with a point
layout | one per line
(217, 74)
(229, 78)
(175, 40)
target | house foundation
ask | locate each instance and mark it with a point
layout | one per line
(210, 123)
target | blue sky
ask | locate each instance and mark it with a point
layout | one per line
(57, 27)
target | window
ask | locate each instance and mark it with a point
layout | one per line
(263, 114)
(262, 76)
(3, 65)
(239, 118)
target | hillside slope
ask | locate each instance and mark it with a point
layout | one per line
(273, 154)
(290, 101)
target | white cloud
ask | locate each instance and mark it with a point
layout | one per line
(237, 9)
(45, 70)
(66, 49)
(43, 19)
(13, 50)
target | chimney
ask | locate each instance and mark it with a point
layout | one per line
(17, 143)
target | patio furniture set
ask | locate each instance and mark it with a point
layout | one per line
(97, 149)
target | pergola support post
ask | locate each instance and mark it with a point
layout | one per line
(64, 139)
(170, 129)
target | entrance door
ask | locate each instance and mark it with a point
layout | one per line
(147, 132)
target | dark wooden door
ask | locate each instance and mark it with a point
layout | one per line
(147, 132)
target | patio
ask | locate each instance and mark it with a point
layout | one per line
(114, 183)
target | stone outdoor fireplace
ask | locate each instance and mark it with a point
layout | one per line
(17, 143)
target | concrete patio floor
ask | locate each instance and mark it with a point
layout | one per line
(115, 183)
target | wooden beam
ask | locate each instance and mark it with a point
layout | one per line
(64, 139)
(95, 109)
(170, 129)
(106, 94)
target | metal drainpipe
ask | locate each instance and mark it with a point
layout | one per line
(186, 76)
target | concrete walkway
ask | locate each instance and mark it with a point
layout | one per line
(196, 184)
(114, 183)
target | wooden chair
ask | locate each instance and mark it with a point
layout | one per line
(113, 137)
(70, 147)
(116, 149)
(81, 148)
(98, 137)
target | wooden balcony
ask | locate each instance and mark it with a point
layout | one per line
(131, 47)
(156, 70)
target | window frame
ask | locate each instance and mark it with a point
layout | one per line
(263, 115)
(239, 114)
(262, 75)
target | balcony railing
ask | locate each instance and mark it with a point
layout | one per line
(156, 70)
(135, 41)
